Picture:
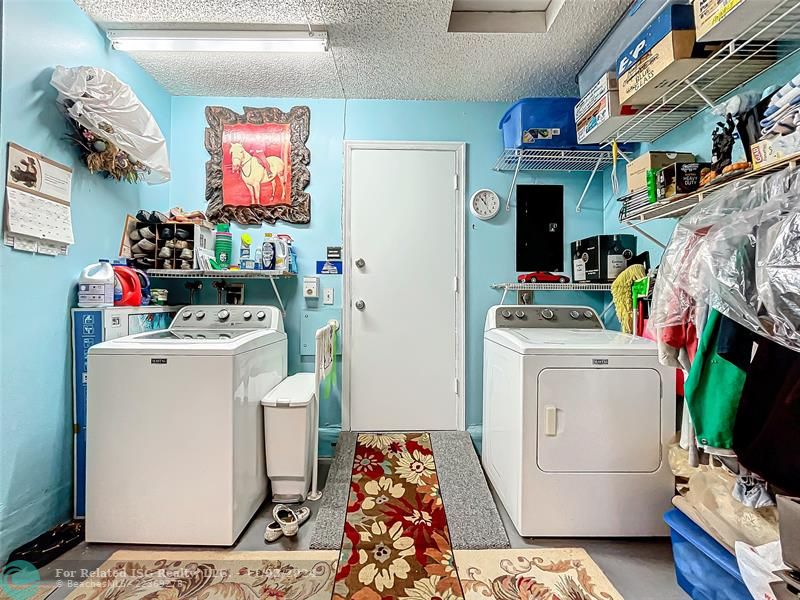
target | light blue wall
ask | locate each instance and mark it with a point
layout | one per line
(693, 136)
(36, 292)
(490, 246)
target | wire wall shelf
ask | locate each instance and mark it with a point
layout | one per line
(678, 206)
(548, 287)
(768, 41)
(526, 159)
(554, 287)
(218, 274)
(271, 276)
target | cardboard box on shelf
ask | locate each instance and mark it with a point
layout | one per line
(676, 17)
(767, 152)
(602, 119)
(665, 65)
(607, 83)
(680, 178)
(638, 167)
(723, 20)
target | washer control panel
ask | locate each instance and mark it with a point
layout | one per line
(539, 316)
(228, 316)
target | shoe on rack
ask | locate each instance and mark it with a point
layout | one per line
(143, 247)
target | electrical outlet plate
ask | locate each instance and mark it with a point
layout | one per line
(311, 287)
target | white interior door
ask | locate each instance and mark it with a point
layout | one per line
(404, 226)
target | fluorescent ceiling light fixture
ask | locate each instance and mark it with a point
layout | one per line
(177, 40)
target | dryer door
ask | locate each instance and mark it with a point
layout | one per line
(599, 420)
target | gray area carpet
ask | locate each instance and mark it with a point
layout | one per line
(329, 525)
(472, 516)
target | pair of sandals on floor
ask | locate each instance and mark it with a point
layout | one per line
(287, 521)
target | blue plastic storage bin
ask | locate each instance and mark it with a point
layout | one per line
(705, 569)
(541, 123)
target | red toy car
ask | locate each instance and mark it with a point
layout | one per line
(542, 277)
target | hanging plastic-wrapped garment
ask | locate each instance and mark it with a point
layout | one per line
(738, 252)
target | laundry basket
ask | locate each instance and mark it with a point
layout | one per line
(704, 568)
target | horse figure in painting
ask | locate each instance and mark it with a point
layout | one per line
(254, 172)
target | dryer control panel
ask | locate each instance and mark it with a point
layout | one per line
(543, 317)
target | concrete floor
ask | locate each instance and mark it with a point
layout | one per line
(639, 569)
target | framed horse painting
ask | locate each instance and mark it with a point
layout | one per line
(258, 170)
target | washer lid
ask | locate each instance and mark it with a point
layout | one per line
(191, 342)
(570, 341)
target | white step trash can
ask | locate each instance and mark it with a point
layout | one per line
(289, 436)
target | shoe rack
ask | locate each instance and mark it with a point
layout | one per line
(175, 245)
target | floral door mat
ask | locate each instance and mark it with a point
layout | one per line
(396, 542)
(541, 574)
(157, 575)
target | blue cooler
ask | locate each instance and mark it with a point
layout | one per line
(541, 124)
(704, 569)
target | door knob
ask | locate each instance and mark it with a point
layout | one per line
(360, 304)
(360, 263)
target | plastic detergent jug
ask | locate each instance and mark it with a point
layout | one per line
(130, 287)
(96, 285)
(144, 282)
(281, 254)
(291, 254)
(268, 252)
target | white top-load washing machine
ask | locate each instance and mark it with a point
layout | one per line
(175, 448)
(576, 422)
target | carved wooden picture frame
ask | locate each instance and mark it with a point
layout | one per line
(258, 166)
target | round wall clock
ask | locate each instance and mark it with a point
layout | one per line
(485, 204)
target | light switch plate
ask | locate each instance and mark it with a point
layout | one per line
(327, 296)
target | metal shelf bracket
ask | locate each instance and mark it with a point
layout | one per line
(278, 295)
(588, 185)
(513, 183)
(643, 233)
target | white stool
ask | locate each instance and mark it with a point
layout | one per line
(288, 436)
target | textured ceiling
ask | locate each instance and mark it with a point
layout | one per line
(396, 49)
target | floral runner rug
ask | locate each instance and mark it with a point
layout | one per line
(396, 543)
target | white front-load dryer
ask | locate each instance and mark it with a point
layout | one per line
(175, 447)
(576, 424)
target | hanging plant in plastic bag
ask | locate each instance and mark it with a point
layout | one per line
(114, 132)
(101, 155)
